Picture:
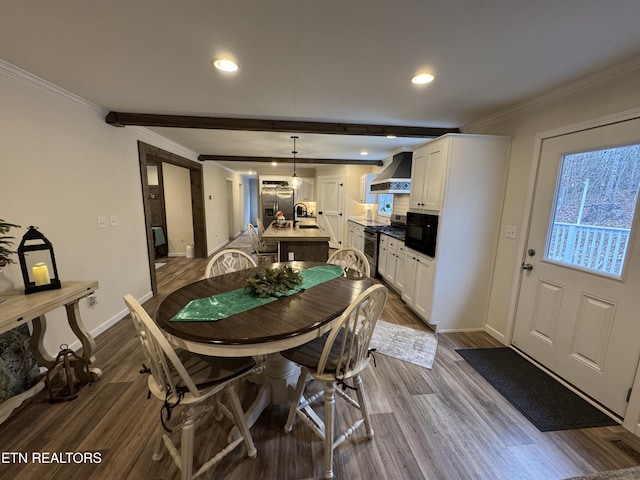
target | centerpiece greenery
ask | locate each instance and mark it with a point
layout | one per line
(274, 281)
(5, 242)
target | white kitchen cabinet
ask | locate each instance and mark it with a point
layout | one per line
(400, 277)
(462, 179)
(383, 255)
(351, 235)
(356, 235)
(394, 262)
(419, 282)
(428, 175)
(307, 191)
(359, 238)
(365, 183)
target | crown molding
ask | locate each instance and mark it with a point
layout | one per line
(52, 89)
(48, 87)
(583, 83)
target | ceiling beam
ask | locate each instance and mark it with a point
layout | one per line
(122, 119)
(323, 161)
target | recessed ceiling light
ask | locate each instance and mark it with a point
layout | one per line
(422, 78)
(274, 164)
(391, 136)
(364, 153)
(225, 65)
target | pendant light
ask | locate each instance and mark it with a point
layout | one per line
(295, 181)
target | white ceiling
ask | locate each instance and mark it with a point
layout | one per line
(344, 61)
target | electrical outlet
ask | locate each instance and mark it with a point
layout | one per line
(114, 220)
(512, 231)
(102, 222)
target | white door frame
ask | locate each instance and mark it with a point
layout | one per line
(632, 417)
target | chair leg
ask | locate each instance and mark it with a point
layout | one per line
(295, 400)
(238, 414)
(329, 411)
(364, 408)
(157, 452)
(186, 447)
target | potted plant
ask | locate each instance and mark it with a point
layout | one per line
(6, 241)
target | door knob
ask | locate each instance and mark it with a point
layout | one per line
(527, 266)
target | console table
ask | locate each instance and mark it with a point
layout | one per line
(19, 308)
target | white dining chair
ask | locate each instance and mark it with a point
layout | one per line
(337, 359)
(227, 261)
(260, 226)
(181, 379)
(351, 257)
(265, 252)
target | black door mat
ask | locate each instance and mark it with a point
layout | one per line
(547, 403)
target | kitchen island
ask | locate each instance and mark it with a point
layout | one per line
(305, 241)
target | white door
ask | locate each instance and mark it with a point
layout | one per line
(579, 298)
(330, 207)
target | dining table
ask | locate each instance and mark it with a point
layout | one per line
(278, 324)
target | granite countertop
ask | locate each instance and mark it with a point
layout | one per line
(276, 234)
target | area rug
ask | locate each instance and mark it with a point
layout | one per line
(547, 403)
(404, 343)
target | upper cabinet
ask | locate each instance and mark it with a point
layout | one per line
(307, 191)
(428, 175)
(365, 184)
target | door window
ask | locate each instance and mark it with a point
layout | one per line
(594, 207)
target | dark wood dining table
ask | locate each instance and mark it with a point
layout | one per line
(265, 330)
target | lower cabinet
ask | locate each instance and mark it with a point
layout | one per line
(383, 255)
(392, 258)
(356, 236)
(419, 275)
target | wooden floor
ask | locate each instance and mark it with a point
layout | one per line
(444, 423)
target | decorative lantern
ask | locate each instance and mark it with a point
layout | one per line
(38, 263)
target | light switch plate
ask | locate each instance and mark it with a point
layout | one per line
(102, 222)
(512, 231)
(114, 220)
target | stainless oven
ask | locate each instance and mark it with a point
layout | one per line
(371, 248)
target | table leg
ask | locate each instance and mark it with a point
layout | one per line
(36, 343)
(88, 343)
(278, 382)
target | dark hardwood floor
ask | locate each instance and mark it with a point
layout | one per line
(444, 423)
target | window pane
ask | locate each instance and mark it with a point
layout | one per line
(594, 208)
(385, 203)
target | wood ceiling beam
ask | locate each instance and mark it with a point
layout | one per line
(122, 119)
(323, 161)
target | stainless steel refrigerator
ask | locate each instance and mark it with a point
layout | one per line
(274, 198)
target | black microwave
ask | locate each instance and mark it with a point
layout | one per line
(422, 230)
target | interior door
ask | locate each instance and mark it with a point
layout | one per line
(331, 207)
(577, 311)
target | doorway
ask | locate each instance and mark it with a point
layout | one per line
(150, 155)
(578, 302)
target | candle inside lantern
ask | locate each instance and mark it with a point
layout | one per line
(40, 274)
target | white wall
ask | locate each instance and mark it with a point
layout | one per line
(62, 166)
(573, 104)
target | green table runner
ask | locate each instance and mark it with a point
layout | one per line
(226, 304)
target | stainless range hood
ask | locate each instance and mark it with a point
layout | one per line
(396, 178)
